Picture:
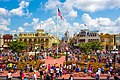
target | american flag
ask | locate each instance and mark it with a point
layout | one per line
(59, 14)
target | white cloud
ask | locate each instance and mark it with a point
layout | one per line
(91, 5)
(5, 15)
(88, 20)
(104, 21)
(117, 22)
(95, 22)
(26, 24)
(52, 4)
(21, 10)
(4, 23)
(108, 29)
(96, 5)
(50, 26)
(21, 29)
(76, 24)
(24, 4)
(14, 31)
(3, 28)
(85, 5)
(35, 21)
(104, 25)
(4, 12)
(46, 25)
(73, 14)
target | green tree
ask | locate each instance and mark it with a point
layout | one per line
(90, 47)
(17, 46)
(96, 46)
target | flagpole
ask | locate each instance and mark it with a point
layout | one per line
(57, 28)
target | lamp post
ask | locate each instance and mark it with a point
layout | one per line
(35, 53)
(66, 54)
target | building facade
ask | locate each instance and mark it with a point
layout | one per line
(7, 38)
(107, 41)
(1, 40)
(117, 41)
(66, 37)
(40, 39)
(85, 36)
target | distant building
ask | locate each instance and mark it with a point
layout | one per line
(40, 39)
(7, 38)
(107, 41)
(66, 37)
(1, 40)
(15, 36)
(85, 36)
(117, 41)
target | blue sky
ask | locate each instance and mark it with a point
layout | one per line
(28, 15)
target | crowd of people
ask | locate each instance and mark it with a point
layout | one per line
(9, 62)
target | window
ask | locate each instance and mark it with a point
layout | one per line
(111, 40)
(102, 40)
(107, 40)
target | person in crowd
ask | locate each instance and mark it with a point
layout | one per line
(57, 72)
(21, 71)
(9, 76)
(52, 73)
(107, 65)
(71, 77)
(97, 77)
(108, 75)
(31, 68)
(61, 70)
(41, 74)
(78, 69)
(69, 68)
(23, 76)
(47, 77)
(0, 67)
(49, 66)
(90, 69)
(34, 76)
(10, 66)
(110, 62)
(15, 68)
(116, 77)
(73, 65)
(85, 69)
(111, 70)
(27, 67)
(102, 70)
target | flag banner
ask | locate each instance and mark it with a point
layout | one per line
(59, 14)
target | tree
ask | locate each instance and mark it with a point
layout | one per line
(16, 46)
(96, 46)
(90, 46)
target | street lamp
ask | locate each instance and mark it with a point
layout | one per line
(35, 53)
(66, 54)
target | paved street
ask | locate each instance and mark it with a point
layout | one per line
(48, 61)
